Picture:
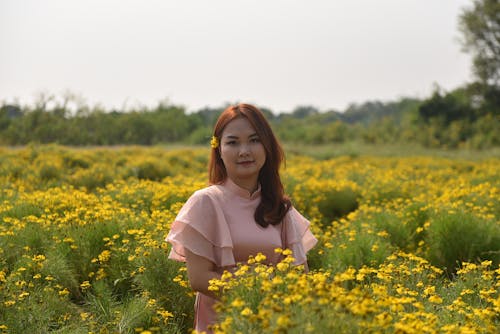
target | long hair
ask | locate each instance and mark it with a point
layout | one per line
(274, 204)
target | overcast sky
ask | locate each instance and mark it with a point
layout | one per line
(196, 53)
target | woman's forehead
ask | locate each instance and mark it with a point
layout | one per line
(239, 127)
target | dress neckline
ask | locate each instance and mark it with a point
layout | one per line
(239, 191)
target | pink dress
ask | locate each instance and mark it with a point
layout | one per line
(218, 223)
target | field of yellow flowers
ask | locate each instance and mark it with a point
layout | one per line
(406, 245)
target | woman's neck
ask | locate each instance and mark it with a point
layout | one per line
(250, 185)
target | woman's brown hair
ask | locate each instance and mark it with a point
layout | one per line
(274, 204)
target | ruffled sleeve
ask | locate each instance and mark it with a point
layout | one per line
(298, 237)
(201, 228)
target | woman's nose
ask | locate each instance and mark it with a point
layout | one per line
(244, 150)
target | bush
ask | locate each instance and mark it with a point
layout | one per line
(49, 172)
(337, 203)
(356, 249)
(458, 237)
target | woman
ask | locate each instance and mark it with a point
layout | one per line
(244, 211)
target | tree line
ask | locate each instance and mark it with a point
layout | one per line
(468, 116)
(460, 118)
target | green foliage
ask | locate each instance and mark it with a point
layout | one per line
(58, 265)
(364, 249)
(158, 281)
(337, 203)
(46, 314)
(462, 118)
(149, 170)
(48, 172)
(401, 234)
(33, 236)
(456, 237)
(480, 26)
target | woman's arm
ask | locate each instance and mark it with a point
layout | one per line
(200, 270)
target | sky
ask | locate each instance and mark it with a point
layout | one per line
(278, 54)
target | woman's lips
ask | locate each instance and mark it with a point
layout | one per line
(245, 163)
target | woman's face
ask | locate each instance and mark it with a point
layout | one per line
(242, 153)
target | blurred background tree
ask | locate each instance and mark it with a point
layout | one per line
(480, 27)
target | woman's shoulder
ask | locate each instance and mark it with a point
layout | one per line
(203, 202)
(209, 193)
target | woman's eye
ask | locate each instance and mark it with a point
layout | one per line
(255, 140)
(232, 142)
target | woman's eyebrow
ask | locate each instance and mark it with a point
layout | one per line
(236, 137)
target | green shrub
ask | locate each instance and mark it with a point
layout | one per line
(58, 266)
(32, 239)
(158, 279)
(23, 209)
(405, 230)
(39, 313)
(75, 161)
(90, 243)
(456, 237)
(337, 203)
(363, 249)
(98, 176)
(134, 314)
(49, 172)
(149, 170)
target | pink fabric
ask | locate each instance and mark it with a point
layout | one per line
(218, 223)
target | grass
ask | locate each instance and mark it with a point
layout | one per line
(357, 149)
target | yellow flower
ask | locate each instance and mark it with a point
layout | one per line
(277, 280)
(214, 142)
(226, 275)
(246, 311)
(260, 257)
(104, 256)
(85, 285)
(430, 290)
(165, 314)
(486, 263)
(237, 303)
(283, 321)
(100, 274)
(241, 271)
(282, 266)
(39, 258)
(23, 295)
(9, 303)
(84, 315)
(64, 292)
(435, 299)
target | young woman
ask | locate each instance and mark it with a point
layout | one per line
(244, 211)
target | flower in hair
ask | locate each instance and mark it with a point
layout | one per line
(214, 142)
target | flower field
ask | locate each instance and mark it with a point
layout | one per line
(406, 245)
